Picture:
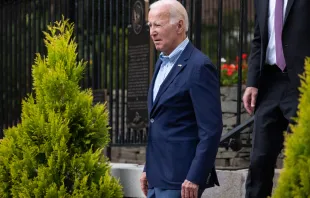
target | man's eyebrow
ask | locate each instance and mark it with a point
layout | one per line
(150, 23)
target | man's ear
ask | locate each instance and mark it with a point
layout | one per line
(180, 26)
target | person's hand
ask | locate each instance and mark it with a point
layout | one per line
(143, 183)
(249, 99)
(189, 190)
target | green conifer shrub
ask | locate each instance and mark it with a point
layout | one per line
(294, 180)
(56, 150)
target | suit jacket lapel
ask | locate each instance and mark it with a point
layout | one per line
(288, 8)
(263, 8)
(150, 93)
(176, 69)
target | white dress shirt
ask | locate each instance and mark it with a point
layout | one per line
(271, 48)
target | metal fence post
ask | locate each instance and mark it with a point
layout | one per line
(198, 21)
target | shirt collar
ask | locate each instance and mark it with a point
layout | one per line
(175, 53)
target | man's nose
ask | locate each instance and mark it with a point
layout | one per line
(152, 31)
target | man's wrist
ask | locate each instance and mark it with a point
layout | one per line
(191, 182)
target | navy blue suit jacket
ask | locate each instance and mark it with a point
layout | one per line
(185, 124)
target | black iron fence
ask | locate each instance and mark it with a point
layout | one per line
(220, 28)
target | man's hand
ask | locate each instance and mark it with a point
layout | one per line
(189, 190)
(249, 99)
(143, 183)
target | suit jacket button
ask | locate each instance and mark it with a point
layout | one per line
(152, 120)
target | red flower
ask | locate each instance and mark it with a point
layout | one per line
(232, 67)
(244, 56)
(224, 66)
(229, 72)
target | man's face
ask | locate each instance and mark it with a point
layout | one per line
(163, 33)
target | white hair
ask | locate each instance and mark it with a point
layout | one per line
(177, 11)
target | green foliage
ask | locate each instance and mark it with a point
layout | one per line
(294, 181)
(56, 151)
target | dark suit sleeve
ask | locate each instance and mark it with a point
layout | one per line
(144, 168)
(255, 58)
(205, 96)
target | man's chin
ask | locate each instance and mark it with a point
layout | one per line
(158, 48)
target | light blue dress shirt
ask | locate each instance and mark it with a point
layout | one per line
(167, 64)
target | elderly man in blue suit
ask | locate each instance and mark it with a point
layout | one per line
(185, 118)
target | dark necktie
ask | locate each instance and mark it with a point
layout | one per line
(278, 26)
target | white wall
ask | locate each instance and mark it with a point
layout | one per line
(232, 183)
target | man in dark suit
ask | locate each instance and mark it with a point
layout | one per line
(281, 43)
(185, 119)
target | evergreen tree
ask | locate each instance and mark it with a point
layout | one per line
(56, 150)
(294, 181)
